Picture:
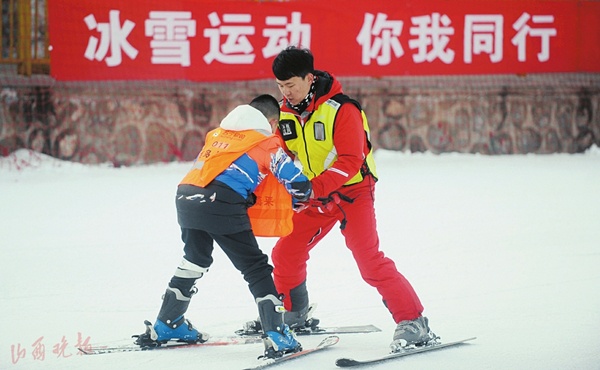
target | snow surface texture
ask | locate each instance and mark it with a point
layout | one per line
(505, 248)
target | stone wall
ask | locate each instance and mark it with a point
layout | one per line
(129, 123)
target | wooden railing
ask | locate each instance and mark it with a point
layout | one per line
(24, 36)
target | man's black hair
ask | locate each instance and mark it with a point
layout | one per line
(267, 104)
(293, 62)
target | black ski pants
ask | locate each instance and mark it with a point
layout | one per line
(241, 248)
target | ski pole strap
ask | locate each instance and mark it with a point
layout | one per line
(327, 203)
(336, 197)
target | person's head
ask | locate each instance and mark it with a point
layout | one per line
(269, 107)
(294, 72)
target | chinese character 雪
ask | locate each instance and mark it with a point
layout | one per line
(170, 32)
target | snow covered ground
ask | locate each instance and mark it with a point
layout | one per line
(505, 248)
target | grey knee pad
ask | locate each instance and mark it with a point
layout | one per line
(190, 271)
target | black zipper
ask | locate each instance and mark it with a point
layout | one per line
(303, 124)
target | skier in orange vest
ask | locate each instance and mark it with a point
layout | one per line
(240, 158)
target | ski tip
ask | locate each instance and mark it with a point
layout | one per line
(329, 341)
(345, 362)
(371, 329)
(468, 339)
(84, 351)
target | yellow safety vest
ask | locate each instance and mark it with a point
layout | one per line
(313, 144)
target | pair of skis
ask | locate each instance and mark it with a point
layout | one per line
(251, 339)
(240, 338)
(348, 362)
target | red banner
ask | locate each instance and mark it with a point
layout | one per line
(237, 40)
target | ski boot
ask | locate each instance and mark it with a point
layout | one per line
(302, 320)
(278, 338)
(279, 342)
(180, 330)
(171, 324)
(412, 333)
(297, 321)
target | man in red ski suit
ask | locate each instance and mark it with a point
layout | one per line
(328, 133)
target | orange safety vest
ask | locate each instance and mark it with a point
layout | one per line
(272, 213)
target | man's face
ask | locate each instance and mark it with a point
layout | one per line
(296, 88)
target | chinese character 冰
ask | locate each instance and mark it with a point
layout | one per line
(299, 34)
(111, 35)
(430, 32)
(170, 32)
(59, 348)
(523, 30)
(385, 39)
(39, 350)
(483, 33)
(237, 48)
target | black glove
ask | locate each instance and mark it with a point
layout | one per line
(302, 190)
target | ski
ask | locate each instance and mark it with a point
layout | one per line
(348, 362)
(132, 347)
(325, 343)
(311, 327)
(318, 330)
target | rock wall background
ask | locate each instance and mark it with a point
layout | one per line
(130, 123)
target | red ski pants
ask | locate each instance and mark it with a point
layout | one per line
(291, 253)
